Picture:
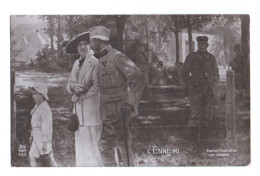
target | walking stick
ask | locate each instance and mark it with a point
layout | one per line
(125, 112)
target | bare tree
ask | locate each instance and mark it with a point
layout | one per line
(245, 46)
(190, 33)
(173, 21)
(50, 29)
(120, 28)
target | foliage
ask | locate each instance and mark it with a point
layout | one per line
(13, 42)
(152, 30)
(48, 61)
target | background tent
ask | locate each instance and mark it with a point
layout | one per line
(21, 43)
(35, 44)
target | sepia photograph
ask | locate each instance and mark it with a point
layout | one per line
(130, 90)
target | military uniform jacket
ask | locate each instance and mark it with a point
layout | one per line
(200, 69)
(120, 81)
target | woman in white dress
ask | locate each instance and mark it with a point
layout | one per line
(84, 73)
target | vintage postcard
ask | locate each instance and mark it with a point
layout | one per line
(130, 90)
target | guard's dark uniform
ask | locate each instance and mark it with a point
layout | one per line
(120, 82)
(200, 74)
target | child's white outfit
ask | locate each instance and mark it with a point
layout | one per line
(42, 128)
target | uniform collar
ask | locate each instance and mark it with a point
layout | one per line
(201, 54)
(108, 48)
(103, 52)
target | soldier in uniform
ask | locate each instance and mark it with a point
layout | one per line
(201, 75)
(121, 86)
(141, 57)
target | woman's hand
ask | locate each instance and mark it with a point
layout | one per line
(77, 88)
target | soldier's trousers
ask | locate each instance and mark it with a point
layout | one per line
(201, 106)
(112, 137)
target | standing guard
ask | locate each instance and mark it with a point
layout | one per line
(201, 75)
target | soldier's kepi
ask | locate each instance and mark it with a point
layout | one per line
(121, 86)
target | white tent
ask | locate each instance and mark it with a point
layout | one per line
(21, 43)
(35, 44)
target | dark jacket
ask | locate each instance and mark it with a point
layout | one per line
(200, 69)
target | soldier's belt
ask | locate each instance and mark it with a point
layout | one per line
(114, 97)
(113, 91)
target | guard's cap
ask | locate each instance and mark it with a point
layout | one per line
(202, 39)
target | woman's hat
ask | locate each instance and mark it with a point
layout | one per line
(42, 89)
(72, 46)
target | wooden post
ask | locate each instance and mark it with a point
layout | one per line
(124, 44)
(230, 106)
(13, 115)
(190, 33)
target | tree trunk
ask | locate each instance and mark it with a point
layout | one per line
(147, 36)
(120, 28)
(177, 38)
(191, 49)
(157, 20)
(71, 36)
(52, 46)
(59, 35)
(227, 52)
(120, 39)
(146, 31)
(70, 27)
(13, 116)
(230, 106)
(51, 31)
(245, 46)
(159, 34)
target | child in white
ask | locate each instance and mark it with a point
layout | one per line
(42, 125)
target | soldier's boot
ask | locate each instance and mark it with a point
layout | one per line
(126, 158)
(121, 158)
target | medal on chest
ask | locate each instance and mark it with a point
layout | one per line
(104, 64)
